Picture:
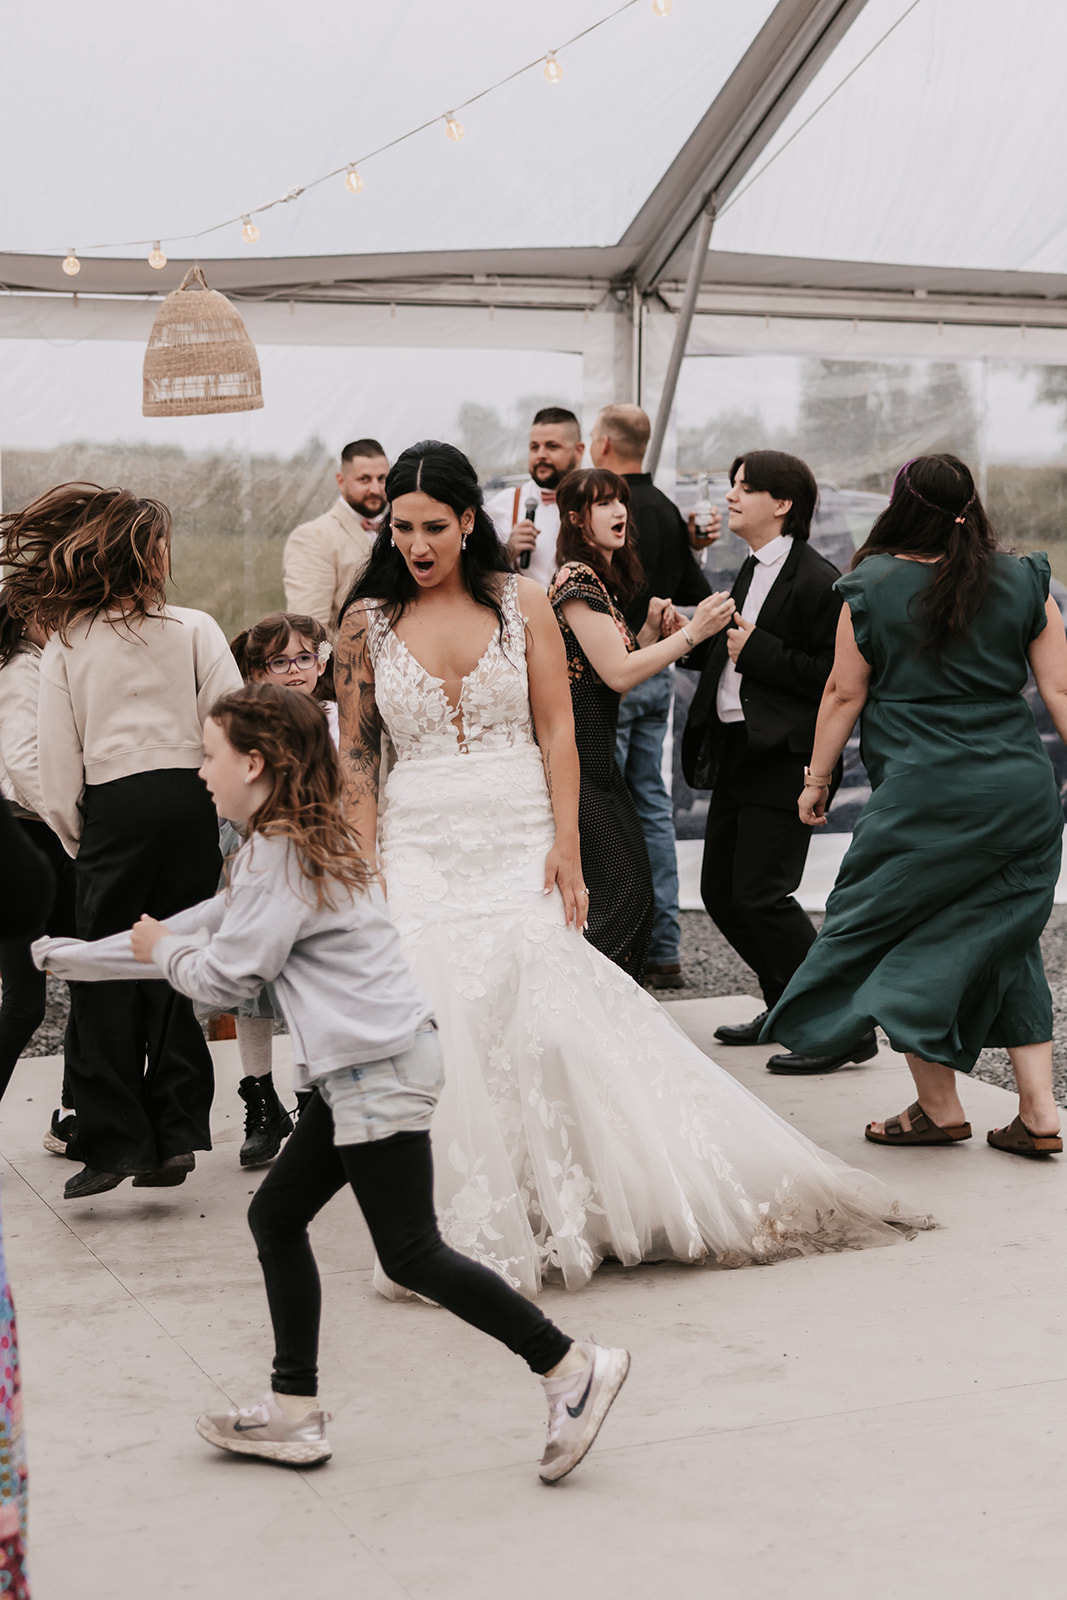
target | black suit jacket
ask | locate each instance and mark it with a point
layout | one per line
(784, 667)
(672, 572)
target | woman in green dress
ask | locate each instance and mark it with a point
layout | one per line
(933, 925)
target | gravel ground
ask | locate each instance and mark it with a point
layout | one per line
(712, 968)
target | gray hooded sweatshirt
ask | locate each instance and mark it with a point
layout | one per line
(341, 977)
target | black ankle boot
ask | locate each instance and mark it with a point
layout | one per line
(266, 1122)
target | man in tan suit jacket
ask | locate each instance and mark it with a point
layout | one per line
(323, 558)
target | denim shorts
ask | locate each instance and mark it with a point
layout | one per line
(380, 1098)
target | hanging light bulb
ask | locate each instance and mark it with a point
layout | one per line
(454, 128)
(662, 8)
(353, 181)
(72, 266)
(553, 70)
(249, 233)
(156, 258)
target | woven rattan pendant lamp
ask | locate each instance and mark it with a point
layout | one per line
(199, 359)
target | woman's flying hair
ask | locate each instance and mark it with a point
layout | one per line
(253, 647)
(291, 733)
(623, 576)
(79, 551)
(12, 629)
(934, 510)
(443, 473)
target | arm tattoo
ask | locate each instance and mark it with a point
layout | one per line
(354, 677)
(548, 772)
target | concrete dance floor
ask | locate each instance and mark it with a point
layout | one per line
(873, 1425)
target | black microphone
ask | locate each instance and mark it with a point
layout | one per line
(530, 509)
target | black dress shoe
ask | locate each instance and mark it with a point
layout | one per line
(741, 1032)
(863, 1050)
(88, 1181)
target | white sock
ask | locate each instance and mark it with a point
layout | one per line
(574, 1361)
(254, 1035)
(296, 1406)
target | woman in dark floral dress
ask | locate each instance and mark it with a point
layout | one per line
(599, 572)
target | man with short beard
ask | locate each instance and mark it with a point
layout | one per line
(323, 558)
(556, 448)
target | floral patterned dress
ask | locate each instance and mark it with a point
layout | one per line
(14, 1583)
(614, 855)
(577, 1121)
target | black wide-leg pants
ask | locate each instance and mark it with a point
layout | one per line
(137, 1060)
(754, 858)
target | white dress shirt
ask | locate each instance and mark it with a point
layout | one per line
(501, 508)
(769, 563)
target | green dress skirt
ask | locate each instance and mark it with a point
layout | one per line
(933, 925)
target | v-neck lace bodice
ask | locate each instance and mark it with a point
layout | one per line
(494, 700)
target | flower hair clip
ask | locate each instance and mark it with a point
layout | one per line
(324, 652)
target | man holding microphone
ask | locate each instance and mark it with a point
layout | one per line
(526, 517)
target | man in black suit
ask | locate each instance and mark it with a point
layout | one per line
(751, 728)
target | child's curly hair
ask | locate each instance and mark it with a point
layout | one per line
(291, 733)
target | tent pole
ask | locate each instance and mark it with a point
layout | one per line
(637, 311)
(681, 332)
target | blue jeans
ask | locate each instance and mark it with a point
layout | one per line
(643, 717)
(379, 1098)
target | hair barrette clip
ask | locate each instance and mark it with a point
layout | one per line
(324, 652)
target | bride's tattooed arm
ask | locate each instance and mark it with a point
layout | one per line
(360, 726)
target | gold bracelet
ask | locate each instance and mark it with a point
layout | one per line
(812, 782)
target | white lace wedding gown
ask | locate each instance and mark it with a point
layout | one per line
(578, 1122)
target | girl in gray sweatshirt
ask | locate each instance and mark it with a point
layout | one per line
(303, 912)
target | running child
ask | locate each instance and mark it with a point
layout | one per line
(292, 651)
(303, 910)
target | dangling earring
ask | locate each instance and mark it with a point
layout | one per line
(463, 541)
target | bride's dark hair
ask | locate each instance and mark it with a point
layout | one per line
(444, 473)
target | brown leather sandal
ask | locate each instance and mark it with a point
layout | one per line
(1017, 1140)
(922, 1130)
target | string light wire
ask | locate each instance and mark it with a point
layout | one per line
(391, 144)
(756, 176)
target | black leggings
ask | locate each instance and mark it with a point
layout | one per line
(392, 1180)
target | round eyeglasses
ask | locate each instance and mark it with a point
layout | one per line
(304, 662)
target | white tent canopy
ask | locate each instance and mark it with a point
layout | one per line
(879, 174)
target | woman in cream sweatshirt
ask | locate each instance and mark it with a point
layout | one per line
(126, 684)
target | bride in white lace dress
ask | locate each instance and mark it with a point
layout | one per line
(577, 1122)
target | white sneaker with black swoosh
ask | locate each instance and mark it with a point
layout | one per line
(578, 1404)
(266, 1431)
